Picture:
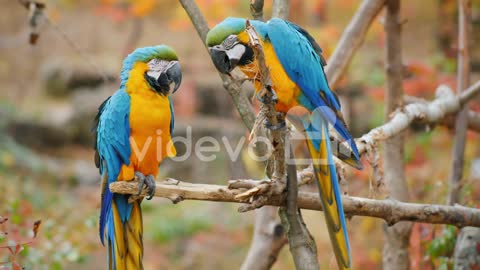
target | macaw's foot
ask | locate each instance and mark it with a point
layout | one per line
(147, 181)
(281, 123)
(265, 99)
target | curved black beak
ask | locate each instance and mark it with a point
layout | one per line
(174, 75)
(160, 81)
(221, 60)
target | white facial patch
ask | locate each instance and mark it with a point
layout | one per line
(236, 52)
(157, 67)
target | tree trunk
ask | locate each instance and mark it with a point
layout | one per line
(395, 250)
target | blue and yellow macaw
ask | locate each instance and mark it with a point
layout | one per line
(133, 135)
(295, 63)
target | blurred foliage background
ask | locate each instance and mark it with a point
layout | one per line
(50, 92)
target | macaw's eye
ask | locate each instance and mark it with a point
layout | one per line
(230, 42)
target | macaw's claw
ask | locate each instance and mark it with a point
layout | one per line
(150, 183)
(147, 181)
(141, 179)
(265, 99)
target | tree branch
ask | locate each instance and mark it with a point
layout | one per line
(268, 239)
(467, 255)
(434, 111)
(352, 38)
(391, 211)
(268, 235)
(301, 243)
(256, 9)
(449, 121)
(280, 9)
(463, 80)
(395, 249)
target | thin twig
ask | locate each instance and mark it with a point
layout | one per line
(67, 39)
(351, 39)
(463, 80)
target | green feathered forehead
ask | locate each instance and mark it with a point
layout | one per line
(230, 26)
(146, 54)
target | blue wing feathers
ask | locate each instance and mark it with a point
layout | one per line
(300, 56)
(113, 149)
(113, 134)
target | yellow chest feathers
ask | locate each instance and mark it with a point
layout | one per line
(149, 111)
(285, 88)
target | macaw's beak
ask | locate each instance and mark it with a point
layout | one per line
(174, 75)
(160, 81)
(226, 60)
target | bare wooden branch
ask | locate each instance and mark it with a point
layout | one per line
(256, 9)
(463, 80)
(391, 211)
(395, 249)
(301, 243)
(267, 106)
(281, 8)
(469, 93)
(266, 245)
(351, 39)
(445, 103)
(449, 121)
(467, 255)
(197, 18)
(268, 239)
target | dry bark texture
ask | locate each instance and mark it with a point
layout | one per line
(392, 211)
(463, 80)
(395, 250)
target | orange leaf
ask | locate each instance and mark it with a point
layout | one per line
(36, 225)
(3, 219)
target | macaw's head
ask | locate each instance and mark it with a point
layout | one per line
(228, 43)
(159, 65)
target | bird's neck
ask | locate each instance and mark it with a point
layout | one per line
(136, 83)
